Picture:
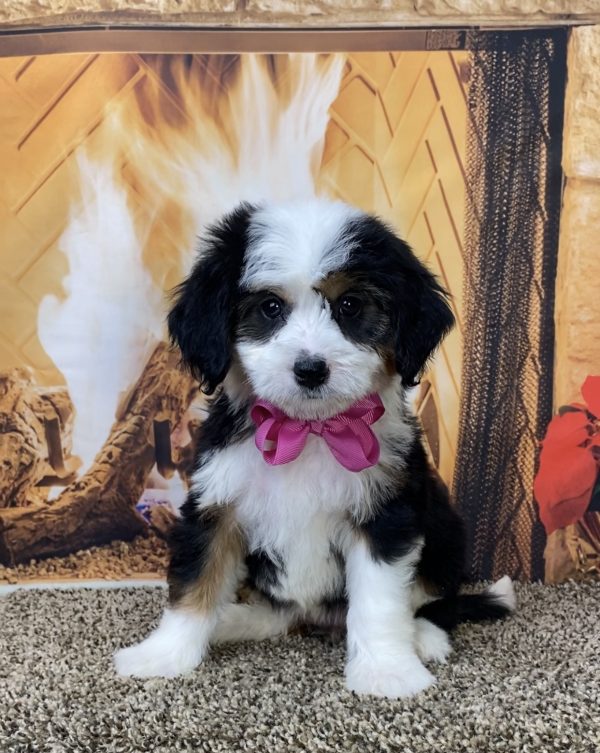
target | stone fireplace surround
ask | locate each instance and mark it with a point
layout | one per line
(578, 283)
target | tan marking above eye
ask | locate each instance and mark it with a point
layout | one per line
(334, 285)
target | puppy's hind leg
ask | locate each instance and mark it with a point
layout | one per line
(431, 642)
(252, 622)
(206, 559)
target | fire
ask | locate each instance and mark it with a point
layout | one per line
(190, 147)
(104, 330)
(206, 148)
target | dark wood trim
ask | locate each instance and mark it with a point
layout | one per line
(218, 40)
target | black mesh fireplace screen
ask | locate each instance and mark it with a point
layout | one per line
(514, 177)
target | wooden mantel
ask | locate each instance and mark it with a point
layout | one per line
(27, 14)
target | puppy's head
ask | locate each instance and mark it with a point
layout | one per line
(311, 305)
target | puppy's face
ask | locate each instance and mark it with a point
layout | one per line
(311, 333)
(310, 305)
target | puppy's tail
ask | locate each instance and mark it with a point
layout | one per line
(495, 603)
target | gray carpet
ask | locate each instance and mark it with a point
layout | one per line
(530, 685)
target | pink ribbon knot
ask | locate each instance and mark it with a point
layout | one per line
(348, 435)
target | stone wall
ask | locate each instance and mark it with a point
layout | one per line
(315, 13)
(578, 283)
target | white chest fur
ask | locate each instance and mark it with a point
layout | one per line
(275, 503)
(299, 513)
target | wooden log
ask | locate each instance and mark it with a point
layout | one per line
(161, 521)
(100, 506)
(184, 458)
(35, 436)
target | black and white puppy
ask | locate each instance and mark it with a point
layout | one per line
(312, 307)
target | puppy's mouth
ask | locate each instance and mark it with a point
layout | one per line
(314, 393)
(316, 403)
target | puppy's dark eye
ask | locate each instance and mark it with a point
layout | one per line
(350, 306)
(271, 308)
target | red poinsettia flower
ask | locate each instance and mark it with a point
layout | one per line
(570, 460)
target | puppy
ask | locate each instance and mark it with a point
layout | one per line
(312, 488)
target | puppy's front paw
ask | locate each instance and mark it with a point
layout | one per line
(431, 642)
(176, 647)
(397, 678)
(152, 659)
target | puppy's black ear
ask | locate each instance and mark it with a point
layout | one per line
(425, 318)
(420, 314)
(202, 318)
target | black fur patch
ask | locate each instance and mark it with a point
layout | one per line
(419, 314)
(252, 322)
(335, 603)
(263, 572)
(202, 319)
(393, 531)
(223, 426)
(189, 542)
(263, 576)
(449, 612)
(442, 561)
(420, 508)
(331, 612)
(398, 521)
(337, 555)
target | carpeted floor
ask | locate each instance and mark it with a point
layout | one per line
(531, 684)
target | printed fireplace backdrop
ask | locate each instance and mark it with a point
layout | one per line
(112, 165)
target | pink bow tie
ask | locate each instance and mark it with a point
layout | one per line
(347, 435)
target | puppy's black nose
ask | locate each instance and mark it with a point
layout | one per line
(311, 371)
